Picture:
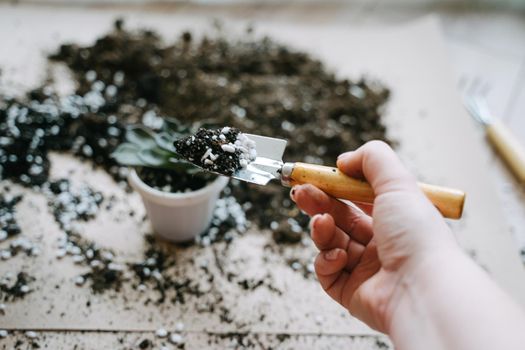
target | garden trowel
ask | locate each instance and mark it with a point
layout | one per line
(268, 165)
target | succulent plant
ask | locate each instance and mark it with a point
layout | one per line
(145, 147)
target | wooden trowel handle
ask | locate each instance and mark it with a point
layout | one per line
(508, 147)
(332, 181)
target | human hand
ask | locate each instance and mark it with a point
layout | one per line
(367, 255)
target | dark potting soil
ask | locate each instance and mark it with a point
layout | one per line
(174, 181)
(213, 150)
(145, 344)
(12, 290)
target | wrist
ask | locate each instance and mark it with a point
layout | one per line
(419, 282)
(447, 301)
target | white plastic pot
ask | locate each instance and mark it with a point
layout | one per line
(179, 217)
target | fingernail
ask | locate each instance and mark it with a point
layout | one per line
(331, 255)
(343, 155)
(292, 193)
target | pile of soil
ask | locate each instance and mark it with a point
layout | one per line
(255, 85)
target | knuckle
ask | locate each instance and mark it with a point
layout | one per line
(319, 266)
(355, 219)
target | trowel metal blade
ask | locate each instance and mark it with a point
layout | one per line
(268, 164)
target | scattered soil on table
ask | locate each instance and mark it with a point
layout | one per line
(106, 270)
(145, 344)
(12, 289)
(68, 205)
(8, 224)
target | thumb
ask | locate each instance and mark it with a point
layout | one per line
(376, 162)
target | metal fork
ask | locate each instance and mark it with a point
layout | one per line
(479, 109)
(501, 138)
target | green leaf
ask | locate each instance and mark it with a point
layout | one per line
(165, 141)
(127, 154)
(149, 149)
(174, 127)
(155, 157)
(141, 136)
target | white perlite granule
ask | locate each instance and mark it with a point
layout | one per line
(176, 338)
(79, 280)
(31, 334)
(161, 333)
(243, 144)
(247, 148)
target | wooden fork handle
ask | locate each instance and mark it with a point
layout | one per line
(508, 147)
(332, 181)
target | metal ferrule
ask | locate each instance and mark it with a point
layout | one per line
(286, 173)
